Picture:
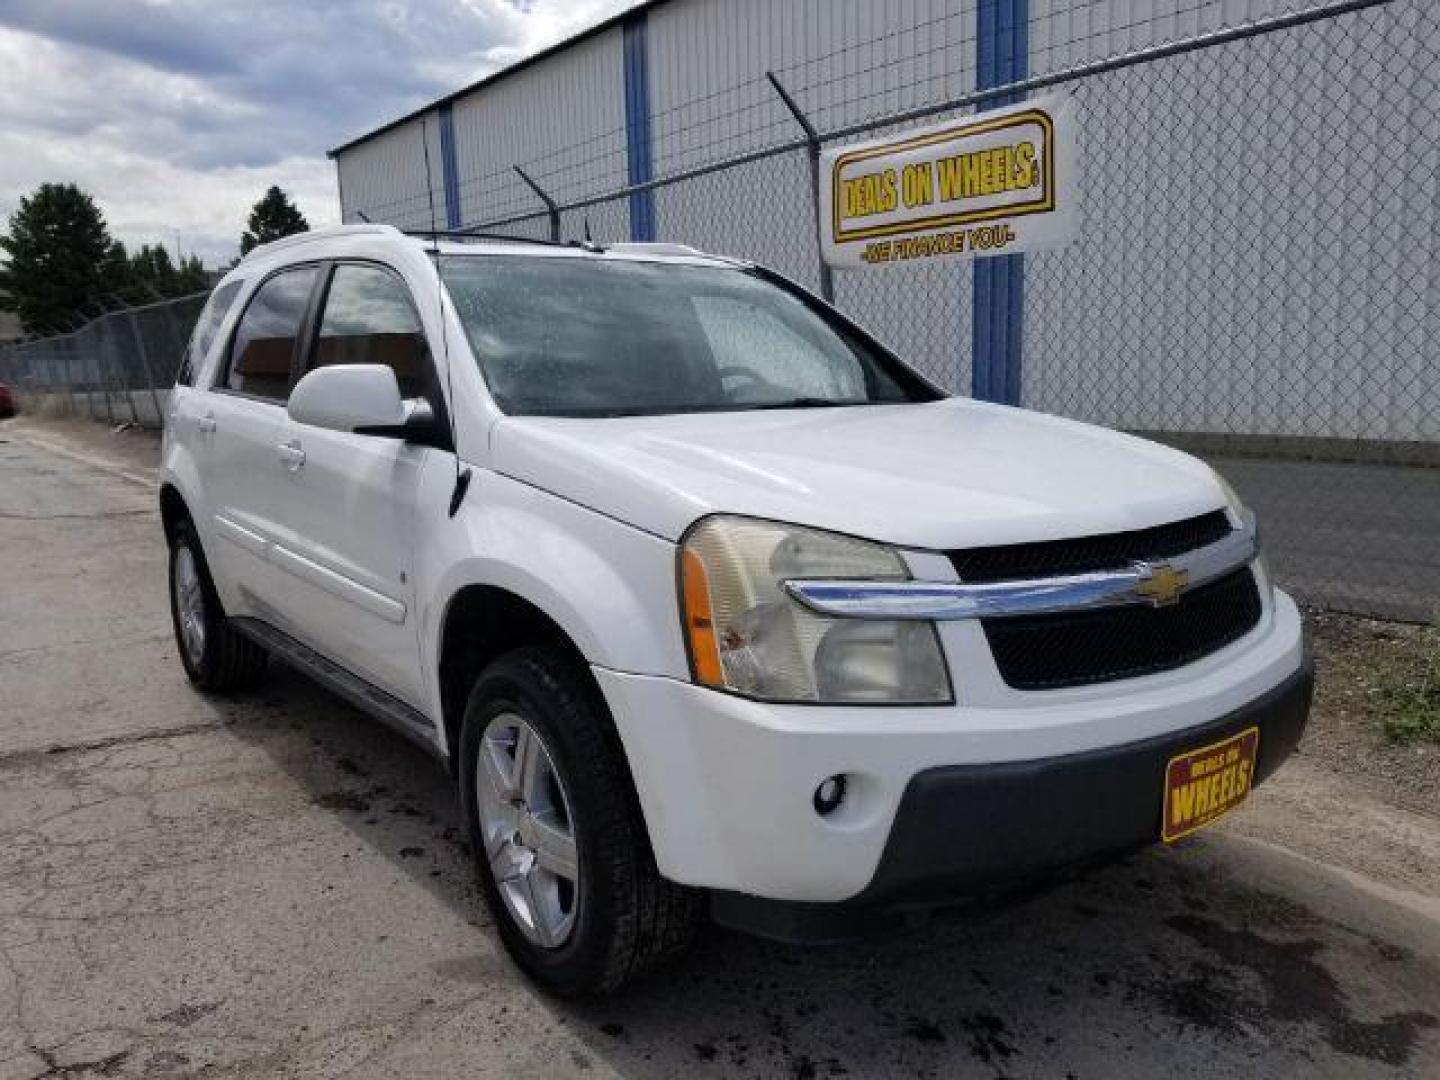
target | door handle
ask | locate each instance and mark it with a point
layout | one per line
(291, 454)
(206, 424)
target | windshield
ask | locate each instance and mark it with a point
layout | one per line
(559, 336)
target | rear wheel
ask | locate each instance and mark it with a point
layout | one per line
(565, 862)
(215, 655)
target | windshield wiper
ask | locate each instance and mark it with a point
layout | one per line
(614, 413)
(800, 403)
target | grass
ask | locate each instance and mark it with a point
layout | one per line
(1408, 691)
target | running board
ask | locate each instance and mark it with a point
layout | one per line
(365, 696)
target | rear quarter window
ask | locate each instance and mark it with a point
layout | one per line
(202, 337)
(262, 354)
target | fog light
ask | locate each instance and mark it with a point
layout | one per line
(829, 795)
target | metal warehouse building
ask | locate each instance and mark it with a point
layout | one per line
(1258, 190)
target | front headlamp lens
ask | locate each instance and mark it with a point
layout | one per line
(747, 635)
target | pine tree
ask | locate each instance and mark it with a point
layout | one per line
(119, 280)
(57, 251)
(190, 276)
(274, 216)
(153, 271)
(149, 274)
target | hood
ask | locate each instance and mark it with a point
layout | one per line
(947, 474)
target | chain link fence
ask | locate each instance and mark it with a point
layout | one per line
(1257, 277)
(1256, 281)
(118, 367)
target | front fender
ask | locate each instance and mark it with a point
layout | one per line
(609, 586)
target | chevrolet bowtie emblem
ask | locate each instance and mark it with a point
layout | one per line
(1161, 585)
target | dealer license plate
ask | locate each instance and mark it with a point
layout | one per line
(1201, 785)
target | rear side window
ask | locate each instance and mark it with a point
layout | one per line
(370, 319)
(206, 327)
(264, 347)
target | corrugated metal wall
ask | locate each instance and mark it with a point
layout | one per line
(563, 120)
(1204, 198)
(844, 61)
(1064, 33)
(384, 177)
(1259, 227)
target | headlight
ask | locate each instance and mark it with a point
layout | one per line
(745, 634)
(1244, 514)
(1232, 497)
(1238, 509)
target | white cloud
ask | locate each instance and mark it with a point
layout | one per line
(177, 115)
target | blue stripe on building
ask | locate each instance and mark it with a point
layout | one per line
(637, 126)
(450, 167)
(1002, 56)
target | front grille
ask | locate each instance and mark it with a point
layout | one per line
(1047, 652)
(1114, 551)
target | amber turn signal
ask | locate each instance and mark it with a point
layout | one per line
(700, 622)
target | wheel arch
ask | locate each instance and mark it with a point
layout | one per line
(482, 622)
(173, 510)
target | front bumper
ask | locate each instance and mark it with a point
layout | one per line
(937, 797)
(963, 828)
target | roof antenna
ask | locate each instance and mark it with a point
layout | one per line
(462, 476)
(588, 240)
(429, 183)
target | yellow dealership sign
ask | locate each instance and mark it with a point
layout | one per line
(990, 184)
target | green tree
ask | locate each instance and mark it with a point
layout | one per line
(150, 275)
(153, 271)
(115, 270)
(190, 276)
(274, 216)
(57, 249)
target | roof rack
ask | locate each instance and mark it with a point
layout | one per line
(312, 235)
(467, 234)
(651, 247)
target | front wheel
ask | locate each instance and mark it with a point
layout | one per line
(565, 861)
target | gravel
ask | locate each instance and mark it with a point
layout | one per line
(1345, 733)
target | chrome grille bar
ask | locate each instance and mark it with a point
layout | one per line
(1155, 584)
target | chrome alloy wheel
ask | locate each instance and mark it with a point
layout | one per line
(190, 605)
(528, 831)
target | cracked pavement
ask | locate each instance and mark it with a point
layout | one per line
(274, 886)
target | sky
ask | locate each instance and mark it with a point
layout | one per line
(176, 115)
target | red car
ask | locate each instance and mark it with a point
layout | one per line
(7, 401)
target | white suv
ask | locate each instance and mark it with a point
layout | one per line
(707, 600)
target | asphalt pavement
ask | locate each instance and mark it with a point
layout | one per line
(1355, 537)
(271, 885)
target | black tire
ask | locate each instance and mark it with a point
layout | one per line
(227, 660)
(629, 918)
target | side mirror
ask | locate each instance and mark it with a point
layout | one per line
(346, 397)
(365, 399)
